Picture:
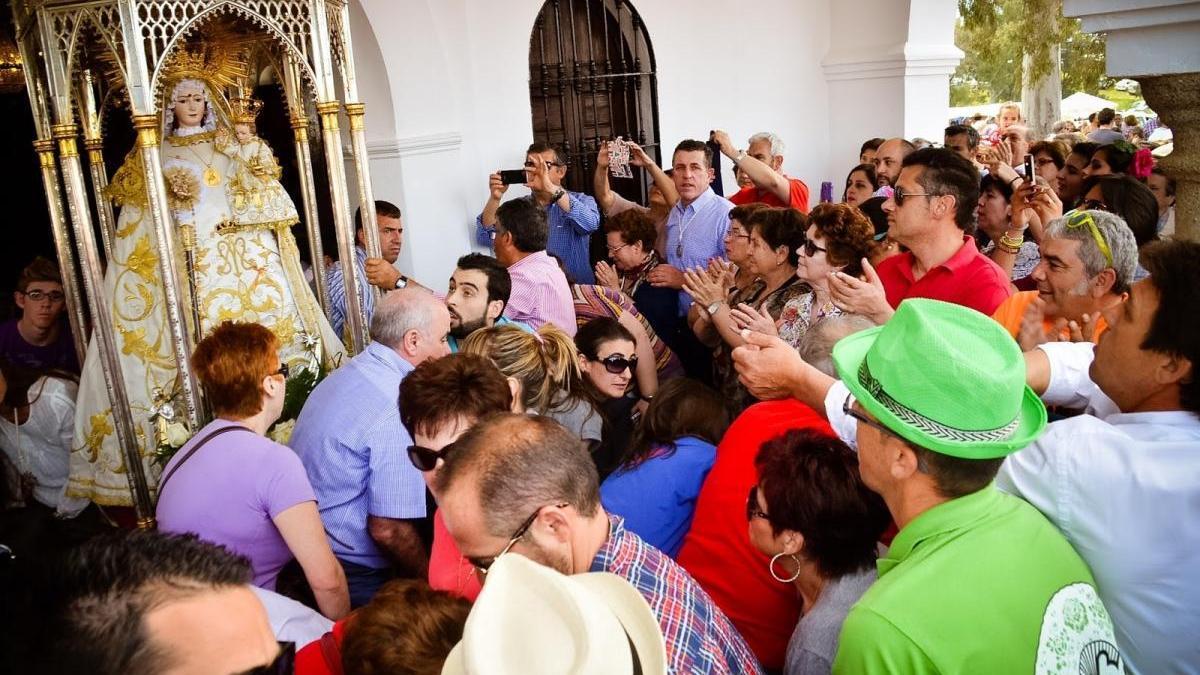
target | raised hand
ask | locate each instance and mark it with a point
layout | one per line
(703, 288)
(864, 296)
(766, 365)
(496, 187)
(606, 275)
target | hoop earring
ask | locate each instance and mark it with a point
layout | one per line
(771, 568)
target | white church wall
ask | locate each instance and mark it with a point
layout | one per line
(446, 83)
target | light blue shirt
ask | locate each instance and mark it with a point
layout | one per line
(696, 234)
(502, 321)
(569, 234)
(355, 451)
(335, 283)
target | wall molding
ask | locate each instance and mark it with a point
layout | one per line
(409, 146)
(929, 61)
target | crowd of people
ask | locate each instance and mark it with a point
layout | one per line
(947, 423)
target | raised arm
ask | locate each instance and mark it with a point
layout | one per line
(600, 187)
(763, 176)
(638, 157)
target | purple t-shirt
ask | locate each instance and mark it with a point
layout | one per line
(230, 491)
(59, 354)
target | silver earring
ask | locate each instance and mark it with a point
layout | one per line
(771, 568)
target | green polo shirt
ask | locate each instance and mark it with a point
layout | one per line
(980, 584)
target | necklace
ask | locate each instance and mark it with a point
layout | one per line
(211, 177)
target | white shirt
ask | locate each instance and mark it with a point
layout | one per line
(42, 445)
(1124, 489)
(290, 620)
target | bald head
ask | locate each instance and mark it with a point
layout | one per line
(413, 322)
(817, 346)
(513, 464)
(888, 159)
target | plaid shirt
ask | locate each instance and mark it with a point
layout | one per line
(698, 637)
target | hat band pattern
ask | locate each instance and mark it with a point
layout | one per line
(929, 426)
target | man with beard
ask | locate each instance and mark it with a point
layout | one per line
(476, 297)
(888, 160)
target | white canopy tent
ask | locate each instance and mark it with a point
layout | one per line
(1080, 105)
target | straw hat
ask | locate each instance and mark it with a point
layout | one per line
(529, 619)
(944, 377)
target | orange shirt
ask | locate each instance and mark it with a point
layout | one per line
(1011, 311)
(797, 196)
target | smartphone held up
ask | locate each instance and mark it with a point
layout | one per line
(513, 177)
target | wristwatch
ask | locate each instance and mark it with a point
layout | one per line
(558, 195)
(740, 156)
(712, 309)
(402, 281)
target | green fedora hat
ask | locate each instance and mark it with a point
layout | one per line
(945, 378)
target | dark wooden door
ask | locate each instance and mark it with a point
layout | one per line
(591, 79)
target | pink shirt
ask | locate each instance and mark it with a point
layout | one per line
(540, 294)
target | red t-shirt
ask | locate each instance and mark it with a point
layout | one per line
(448, 570)
(968, 278)
(324, 656)
(717, 550)
(797, 196)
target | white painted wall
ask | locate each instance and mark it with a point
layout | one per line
(446, 84)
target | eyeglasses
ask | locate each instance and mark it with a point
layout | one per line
(483, 564)
(549, 165)
(810, 248)
(38, 296)
(1077, 219)
(426, 459)
(283, 370)
(899, 194)
(846, 408)
(752, 510)
(730, 234)
(613, 251)
(616, 364)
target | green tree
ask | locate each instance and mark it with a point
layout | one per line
(996, 35)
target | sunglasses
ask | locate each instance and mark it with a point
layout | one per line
(752, 510)
(425, 459)
(283, 370)
(616, 364)
(1077, 219)
(482, 565)
(811, 249)
(899, 194)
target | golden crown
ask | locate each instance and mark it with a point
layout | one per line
(221, 66)
(244, 109)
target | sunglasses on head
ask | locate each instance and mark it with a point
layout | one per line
(899, 194)
(1078, 219)
(425, 459)
(616, 364)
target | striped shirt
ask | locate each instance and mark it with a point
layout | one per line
(540, 294)
(696, 234)
(354, 448)
(570, 233)
(336, 285)
(698, 637)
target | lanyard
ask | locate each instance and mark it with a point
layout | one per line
(682, 230)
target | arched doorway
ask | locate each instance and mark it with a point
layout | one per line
(592, 78)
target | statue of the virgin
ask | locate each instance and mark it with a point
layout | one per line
(233, 222)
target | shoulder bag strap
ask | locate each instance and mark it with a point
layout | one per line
(163, 482)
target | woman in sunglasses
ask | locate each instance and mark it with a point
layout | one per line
(839, 236)
(656, 486)
(233, 486)
(613, 358)
(812, 515)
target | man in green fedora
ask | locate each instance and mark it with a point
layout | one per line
(976, 581)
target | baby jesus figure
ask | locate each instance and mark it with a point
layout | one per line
(256, 198)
